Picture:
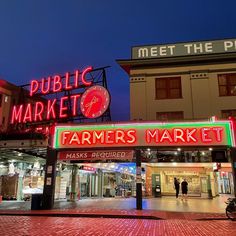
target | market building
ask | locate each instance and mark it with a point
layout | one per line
(182, 125)
(189, 81)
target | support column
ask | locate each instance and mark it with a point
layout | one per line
(233, 163)
(139, 203)
(100, 193)
(49, 179)
(73, 183)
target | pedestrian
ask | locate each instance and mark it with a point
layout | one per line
(176, 185)
(184, 188)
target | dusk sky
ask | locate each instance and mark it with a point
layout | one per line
(42, 38)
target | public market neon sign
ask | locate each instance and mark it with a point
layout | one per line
(49, 109)
(217, 133)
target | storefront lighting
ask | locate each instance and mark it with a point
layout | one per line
(203, 153)
(210, 149)
(19, 154)
(213, 118)
(149, 149)
(178, 149)
(174, 163)
(175, 153)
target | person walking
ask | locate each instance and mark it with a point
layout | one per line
(184, 188)
(176, 185)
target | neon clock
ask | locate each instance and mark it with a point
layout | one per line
(94, 101)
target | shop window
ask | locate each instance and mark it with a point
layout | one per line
(6, 99)
(175, 115)
(227, 84)
(168, 88)
(228, 113)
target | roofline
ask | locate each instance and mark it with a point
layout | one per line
(179, 42)
(128, 64)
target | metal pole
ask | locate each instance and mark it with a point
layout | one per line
(139, 204)
(233, 162)
(49, 179)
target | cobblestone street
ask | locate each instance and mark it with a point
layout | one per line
(30, 226)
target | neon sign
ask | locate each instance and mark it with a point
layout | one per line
(51, 109)
(216, 133)
(94, 101)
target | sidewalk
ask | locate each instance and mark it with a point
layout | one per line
(165, 208)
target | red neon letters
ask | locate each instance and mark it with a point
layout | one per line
(103, 137)
(185, 136)
(44, 111)
(55, 108)
(55, 83)
(142, 137)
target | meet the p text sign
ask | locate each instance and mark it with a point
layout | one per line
(184, 49)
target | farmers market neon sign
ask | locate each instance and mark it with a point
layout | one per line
(145, 134)
(92, 104)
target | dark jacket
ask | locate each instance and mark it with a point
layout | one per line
(184, 185)
(176, 183)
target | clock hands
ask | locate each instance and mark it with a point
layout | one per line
(90, 104)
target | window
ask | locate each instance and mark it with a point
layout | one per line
(6, 98)
(227, 84)
(227, 113)
(175, 115)
(168, 88)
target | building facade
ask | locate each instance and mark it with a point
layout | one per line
(182, 86)
(179, 82)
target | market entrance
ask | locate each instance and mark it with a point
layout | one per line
(80, 181)
(186, 142)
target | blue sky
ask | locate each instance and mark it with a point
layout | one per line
(44, 37)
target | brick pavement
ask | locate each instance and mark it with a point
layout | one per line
(54, 226)
(112, 213)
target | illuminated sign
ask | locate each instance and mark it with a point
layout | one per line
(88, 168)
(184, 49)
(96, 155)
(94, 102)
(218, 133)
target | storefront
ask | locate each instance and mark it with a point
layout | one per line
(20, 179)
(96, 180)
(160, 151)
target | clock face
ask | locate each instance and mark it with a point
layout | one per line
(94, 101)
